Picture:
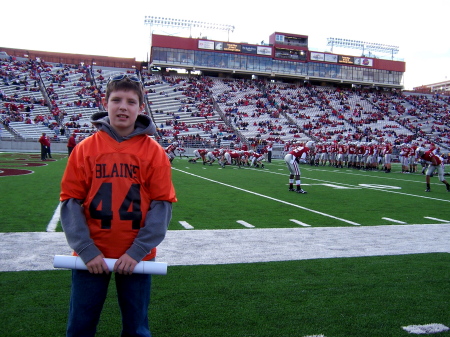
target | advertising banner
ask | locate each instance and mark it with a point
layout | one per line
(249, 49)
(317, 56)
(202, 44)
(346, 59)
(364, 61)
(264, 50)
(231, 47)
(331, 58)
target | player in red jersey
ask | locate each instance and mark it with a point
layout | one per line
(212, 156)
(370, 156)
(435, 162)
(256, 159)
(170, 151)
(404, 157)
(199, 153)
(360, 152)
(324, 154)
(287, 147)
(413, 158)
(351, 155)
(227, 157)
(292, 160)
(116, 202)
(245, 156)
(318, 152)
(341, 150)
(332, 153)
(387, 157)
(236, 157)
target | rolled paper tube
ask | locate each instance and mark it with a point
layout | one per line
(143, 267)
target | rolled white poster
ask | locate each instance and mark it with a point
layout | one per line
(143, 267)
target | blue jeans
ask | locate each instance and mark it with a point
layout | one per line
(89, 293)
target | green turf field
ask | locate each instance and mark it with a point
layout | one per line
(214, 198)
(365, 296)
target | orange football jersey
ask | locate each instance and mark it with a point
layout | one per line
(117, 182)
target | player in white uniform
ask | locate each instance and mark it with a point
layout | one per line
(292, 159)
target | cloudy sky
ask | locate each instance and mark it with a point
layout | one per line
(116, 28)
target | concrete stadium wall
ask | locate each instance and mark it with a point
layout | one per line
(17, 146)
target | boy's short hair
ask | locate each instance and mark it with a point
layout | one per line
(125, 82)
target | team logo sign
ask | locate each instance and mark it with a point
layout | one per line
(16, 164)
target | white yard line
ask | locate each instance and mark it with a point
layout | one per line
(360, 185)
(299, 223)
(267, 197)
(186, 225)
(51, 227)
(393, 220)
(245, 224)
(441, 220)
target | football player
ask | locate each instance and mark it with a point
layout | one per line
(292, 160)
(199, 153)
(256, 159)
(170, 151)
(387, 157)
(436, 163)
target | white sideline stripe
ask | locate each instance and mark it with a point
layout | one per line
(393, 220)
(186, 225)
(244, 223)
(300, 223)
(248, 245)
(51, 227)
(429, 217)
(274, 199)
(426, 329)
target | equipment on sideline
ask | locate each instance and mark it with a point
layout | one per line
(143, 267)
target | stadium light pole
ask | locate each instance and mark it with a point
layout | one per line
(362, 45)
(184, 24)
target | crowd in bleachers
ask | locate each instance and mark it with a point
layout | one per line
(325, 113)
(205, 110)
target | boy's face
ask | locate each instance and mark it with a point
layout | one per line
(123, 109)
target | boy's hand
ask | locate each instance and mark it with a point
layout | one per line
(97, 265)
(125, 265)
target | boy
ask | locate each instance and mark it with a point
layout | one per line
(116, 202)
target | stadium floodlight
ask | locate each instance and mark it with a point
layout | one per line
(183, 23)
(362, 45)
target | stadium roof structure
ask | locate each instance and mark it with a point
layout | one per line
(286, 56)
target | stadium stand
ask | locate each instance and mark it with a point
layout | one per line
(204, 111)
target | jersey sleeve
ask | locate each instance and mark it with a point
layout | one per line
(76, 180)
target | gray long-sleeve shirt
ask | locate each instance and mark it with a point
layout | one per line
(150, 235)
